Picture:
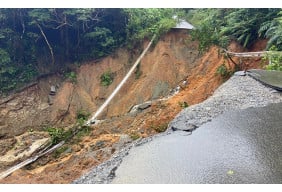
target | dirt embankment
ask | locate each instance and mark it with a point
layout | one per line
(165, 65)
(174, 59)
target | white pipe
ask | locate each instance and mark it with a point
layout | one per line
(28, 161)
(32, 159)
(120, 85)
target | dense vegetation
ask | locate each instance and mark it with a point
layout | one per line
(220, 26)
(40, 41)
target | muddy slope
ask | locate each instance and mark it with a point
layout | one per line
(172, 60)
(163, 67)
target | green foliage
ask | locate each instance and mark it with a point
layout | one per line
(4, 58)
(138, 72)
(40, 15)
(274, 58)
(28, 72)
(58, 152)
(207, 36)
(219, 26)
(159, 128)
(103, 39)
(71, 76)
(58, 134)
(83, 34)
(71, 135)
(208, 23)
(106, 78)
(83, 131)
(244, 24)
(223, 71)
(7, 72)
(73, 35)
(272, 29)
(144, 23)
(134, 136)
(11, 75)
(82, 116)
(183, 104)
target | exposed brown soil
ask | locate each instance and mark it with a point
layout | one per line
(172, 60)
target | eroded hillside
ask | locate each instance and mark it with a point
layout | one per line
(174, 59)
(162, 68)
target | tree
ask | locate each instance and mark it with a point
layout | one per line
(243, 24)
(144, 23)
(42, 17)
(6, 71)
(218, 26)
(272, 29)
(40, 41)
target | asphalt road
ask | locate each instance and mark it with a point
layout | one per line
(272, 79)
(243, 146)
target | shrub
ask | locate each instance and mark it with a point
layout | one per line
(138, 72)
(106, 78)
(223, 71)
(82, 116)
(57, 153)
(58, 134)
(275, 60)
(71, 76)
(183, 104)
(134, 136)
(160, 128)
(83, 131)
(75, 133)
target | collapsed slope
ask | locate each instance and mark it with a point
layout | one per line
(173, 59)
(167, 63)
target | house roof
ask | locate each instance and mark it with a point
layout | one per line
(182, 24)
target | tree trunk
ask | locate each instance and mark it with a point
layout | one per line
(47, 42)
(67, 42)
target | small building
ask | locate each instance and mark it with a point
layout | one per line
(182, 24)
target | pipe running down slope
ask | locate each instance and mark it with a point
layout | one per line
(29, 160)
(253, 54)
(99, 111)
(92, 120)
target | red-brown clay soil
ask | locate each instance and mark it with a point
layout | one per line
(170, 61)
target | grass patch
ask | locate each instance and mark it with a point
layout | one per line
(159, 128)
(134, 136)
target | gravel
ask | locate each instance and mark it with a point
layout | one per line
(105, 172)
(239, 92)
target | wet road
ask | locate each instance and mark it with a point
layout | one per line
(272, 79)
(237, 147)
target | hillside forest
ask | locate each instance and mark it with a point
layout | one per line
(36, 42)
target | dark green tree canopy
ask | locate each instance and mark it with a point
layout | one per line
(38, 41)
(35, 41)
(219, 26)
